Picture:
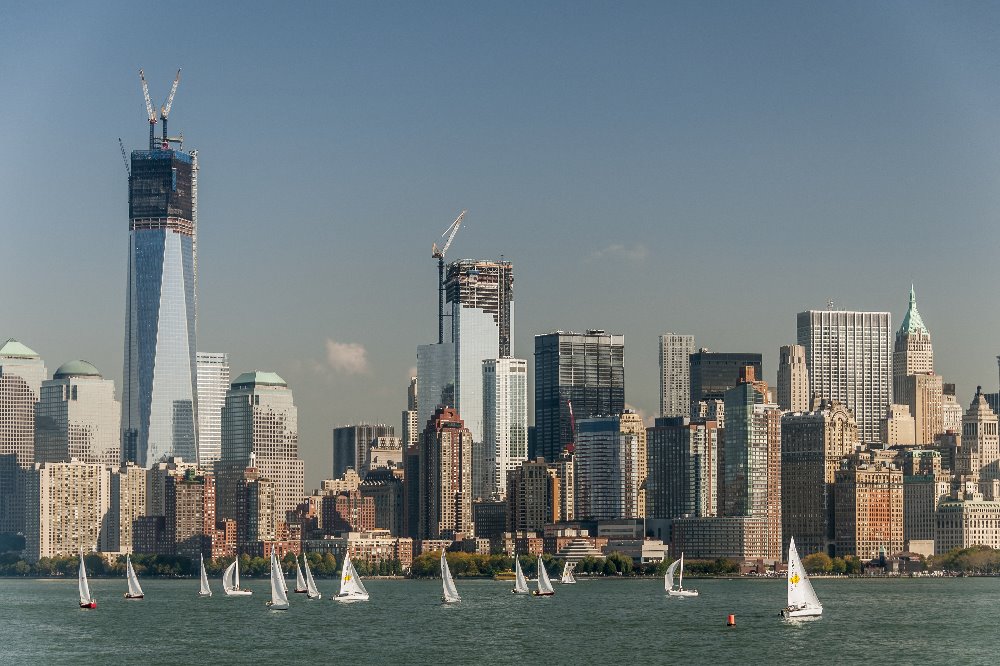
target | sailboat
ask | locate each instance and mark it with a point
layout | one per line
(231, 581)
(300, 581)
(544, 584)
(567, 574)
(351, 588)
(279, 592)
(86, 600)
(311, 591)
(134, 591)
(520, 584)
(205, 590)
(450, 592)
(668, 580)
(802, 600)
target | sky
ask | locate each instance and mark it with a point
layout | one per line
(705, 168)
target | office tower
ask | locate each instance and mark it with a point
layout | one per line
(869, 509)
(979, 456)
(675, 374)
(260, 424)
(159, 393)
(385, 452)
(751, 459)
(436, 380)
(682, 460)
(490, 517)
(813, 444)
(411, 491)
(190, 513)
(257, 513)
(21, 374)
(213, 383)
(951, 412)
(925, 485)
(968, 519)
(156, 482)
(351, 444)
(922, 394)
(532, 495)
(912, 353)
(67, 507)
(609, 453)
(411, 418)
(585, 369)
(714, 373)
(793, 379)
(445, 477)
(505, 423)
(128, 505)
(898, 428)
(850, 361)
(78, 417)
(385, 489)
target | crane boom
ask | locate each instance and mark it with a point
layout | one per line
(165, 109)
(124, 157)
(149, 104)
(453, 228)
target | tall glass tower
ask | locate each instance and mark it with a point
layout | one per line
(159, 396)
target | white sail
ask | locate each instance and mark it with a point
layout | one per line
(680, 574)
(668, 580)
(567, 574)
(448, 583)
(134, 590)
(229, 577)
(205, 590)
(544, 584)
(311, 590)
(85, 597)
(300, 581)
(520, 584)
(351, 587)
(279, 592)
(801, 595)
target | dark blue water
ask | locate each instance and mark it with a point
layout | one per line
(953, 621)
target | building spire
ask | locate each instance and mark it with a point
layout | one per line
(912, 323)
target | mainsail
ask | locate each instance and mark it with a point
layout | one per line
(279, 593)
(448, 583)
(134, 590)
(800, 590)
(205, 590)
(311, 590)
(520, 584)
(85, 597)
(544, 585)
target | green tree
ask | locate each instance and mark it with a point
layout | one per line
(817, 563)
(838, 566)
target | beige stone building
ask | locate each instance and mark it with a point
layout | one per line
(78, 416)
(128, 504)
(67, 509)
(793, 379)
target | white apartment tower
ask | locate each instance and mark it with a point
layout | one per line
(675, 374)
(213, 383)
(78, 417)
(505, 421)
(67, 509)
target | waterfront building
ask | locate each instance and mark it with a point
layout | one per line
(22, 372)
(351, 444)
(979, 455)
(445, 477)
(505, 423)
(731, 537)
(967, 519)
(190, 513)
(813, 444)
(675, 374)
(348, 511)
(532, 497)
(373, 548)
(610, 458)
(213, 383)
(793, 379)
(385, 489)
(78, 417)
(67, 507)
(714, 373)
(925, 485)
(127, 505)
(898, 428)
(868, 508)
(850, 360)
(586, 370)
(682, 458)
(159, 407)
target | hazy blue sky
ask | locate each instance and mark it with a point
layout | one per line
(701, 167)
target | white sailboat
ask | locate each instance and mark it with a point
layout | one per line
(279, 591)
(134, 591)
(231, 581)
(520, 584)
(86, 600)
(567, 574)
(300, 581)
(351, 587)
(311, 591)
(205, 590)
(802, 600)
(545, 588)
(450, 592)
(668, 580)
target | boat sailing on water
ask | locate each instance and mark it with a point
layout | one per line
(351, 587)
(311, 591)
(668, 580)
(520, 584)
(544, 584)
(134, 591)
(450, 592)
(279, 590)
(567, 574)
(205, 590)
(86, 600)
(802, 599)
(231, 581)
(300, 581)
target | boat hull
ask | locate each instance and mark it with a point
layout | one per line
(314, 596)
(792, 613)
(238, 593)
(201, 594)
(449, 601)
(91, 605)
(520, 592)
(134, 596)
(568, 582)
(543, 594)
(351, 598)
(682, 593)
(273, 606)
(301, 591)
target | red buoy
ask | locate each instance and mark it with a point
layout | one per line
(731, 620)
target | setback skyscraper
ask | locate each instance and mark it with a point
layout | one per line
(714, 373)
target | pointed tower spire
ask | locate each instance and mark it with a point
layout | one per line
(912, 323)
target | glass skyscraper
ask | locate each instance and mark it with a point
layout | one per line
(159, 394)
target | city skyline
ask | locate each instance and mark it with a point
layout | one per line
(342, 348)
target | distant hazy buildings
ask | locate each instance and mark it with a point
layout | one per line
(351, 444)
(213, 384)
(505, 422)
(675, 374)
(78, 417)
(445, 478)
(682, 457)
(21, 374)
(610, 467)
(410, 419)
(850, 361)
(793, 379)
(436, 380)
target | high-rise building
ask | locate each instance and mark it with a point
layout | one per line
(564, 470)
(793, 379)
(386, 491)
(79, 417)
(128, 505)
(850, 361)
(351, 444)
(159, 393)
(190, 513)
(922, 393)
(925, 485)
(682, 458)
(260, 429)
(898, 428)
(411, 418)
(213, 383)
(156, 483)
(445, 477)
(812, 446)
(675, 374)
(22, 372)
(979, 456)
(610, 460)
(531, 496)
(505, 423)
(585, 369)
(912, 353)
(257, 514)
(67, 509)
(348, 511)
(869, 509)
(714, 373)
(435, 379)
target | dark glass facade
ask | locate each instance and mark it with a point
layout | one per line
(714, 373)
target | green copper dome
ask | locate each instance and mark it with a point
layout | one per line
(912, 323)
(259, 378)
(76, 369)
(14, 348)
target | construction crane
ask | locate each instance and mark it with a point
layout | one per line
(124, 158)
(439, 255)
(149, 109)
(165, 110)
(571, 446)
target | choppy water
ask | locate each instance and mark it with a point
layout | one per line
(952, 621)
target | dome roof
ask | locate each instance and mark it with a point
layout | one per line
(258, 378)
(76, 369)
(16, 349)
